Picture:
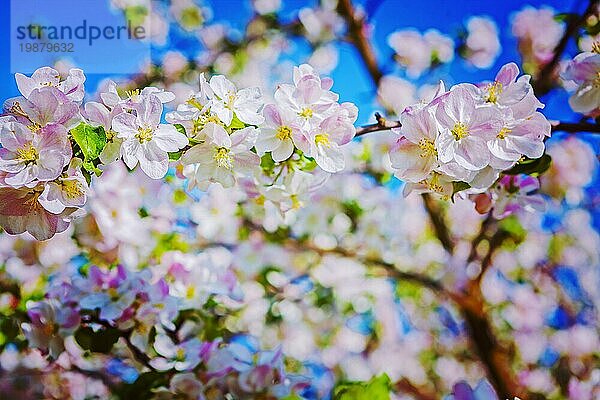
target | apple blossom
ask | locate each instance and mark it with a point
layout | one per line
(146, 140)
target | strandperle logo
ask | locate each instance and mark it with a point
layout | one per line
(93, 35)
(85, 31)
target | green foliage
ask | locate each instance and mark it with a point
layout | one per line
(101, 341)
(459, 186)
(377, 388)
(142, 388)
(512, 226)
(533, 167)
(267, 164)
(89, 143)
(236, 123)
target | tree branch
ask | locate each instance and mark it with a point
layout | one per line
(543, 83)
(382, 124)
(357, 35)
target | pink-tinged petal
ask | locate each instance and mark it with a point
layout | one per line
(507, 74)
(472, 153)
(498, 147)
(326, 83)
(14, 136)
(125, 125)
(149, 112)
(526, 107)
(272, 116)
(9, 162)
(283, 151)
(408, 162)
(243, 139)
(266, 141)
(457, 107)
(201, 153)
(162, 95)
(418, 124)
(49, 199)
(25, 84)
(301, 141)
(217, 135)
(130, 151)
(528, 184)
(154, 162)
(98, 114)
(515, 92)
(245, 163)
(168, 138)
(330, 158)
(223, 176)
(529, 147)
(586, 99)
(221, 86)
(308, 90)
(446, 145)
(111, 97)
(72, 86)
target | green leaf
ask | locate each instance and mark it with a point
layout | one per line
(459, 186)
(101, 341)
(236, 123)
(90, 140)
(175, 155)
(267, 164)
(533, 167)
(180, 128)
(377, 388)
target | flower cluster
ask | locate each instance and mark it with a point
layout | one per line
(538, 33)
(42, 186)
(465, 137)
(417, 52)
(51, 147)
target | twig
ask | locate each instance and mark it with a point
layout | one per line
(382, 124)
(439, 224)
(543, 82)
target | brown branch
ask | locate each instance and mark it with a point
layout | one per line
(439, 224)
(405, 386)
(357, 36)
(382, 124)
(575, 127)
(543, 82)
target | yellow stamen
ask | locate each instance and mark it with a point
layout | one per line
(306, 113)
(596, 47)
(28, 154)
(296, 203)
(503, 132)
(596, 82)
(144, 134)
(493, 90)
(460, 131)
(427, 148)
(223, 158)
(283, 133)
(322, 139)
(133, 94)
(72, 188)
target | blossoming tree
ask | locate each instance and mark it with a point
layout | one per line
(207, 230)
